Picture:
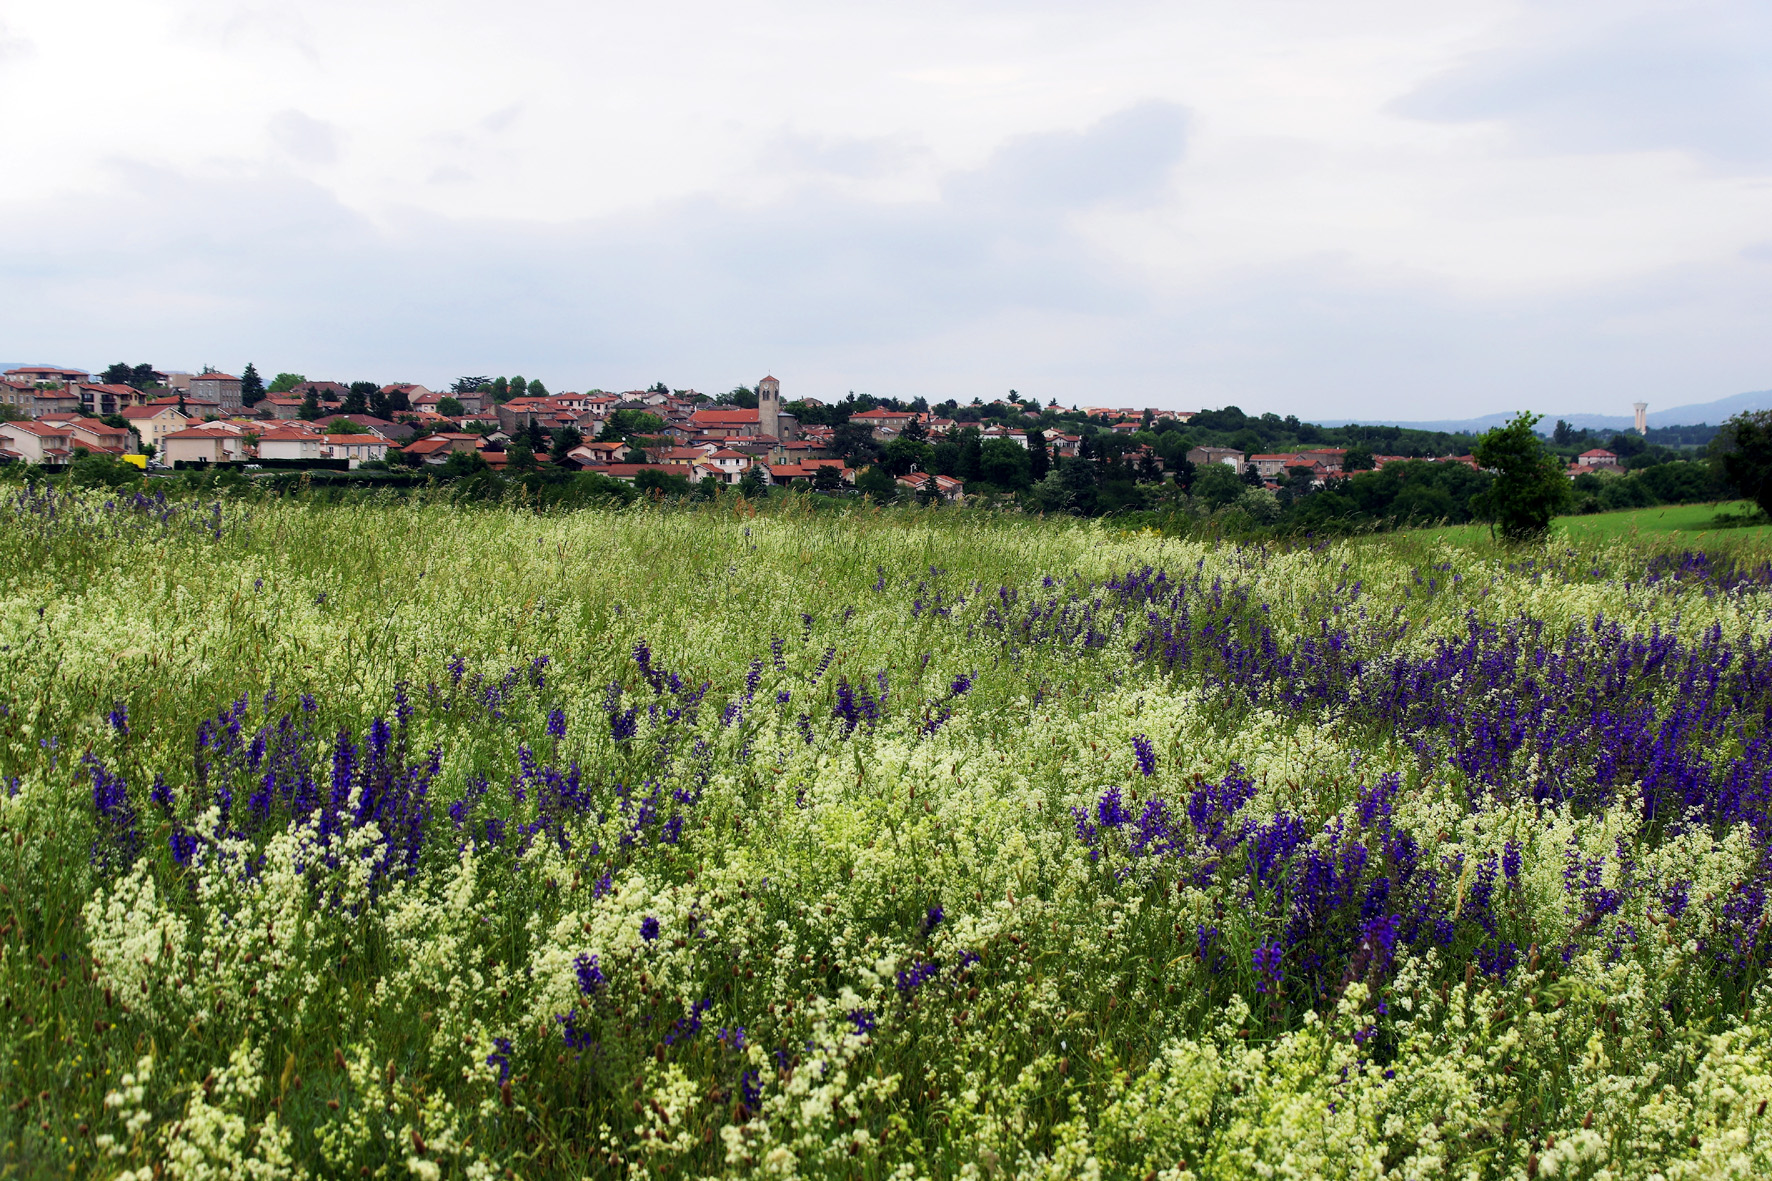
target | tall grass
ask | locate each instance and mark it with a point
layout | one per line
(394, 839)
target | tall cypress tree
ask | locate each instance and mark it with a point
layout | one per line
(252, 386)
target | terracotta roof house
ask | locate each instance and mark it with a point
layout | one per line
(358, 449)
(154, 423)
(433, 449)
(211, 443)
(94, 435)
(37, 442)
(110, 399)
(51, 374)
(724, 423)
(1597, 457)
(950, 488)
(729, 464)
(598, 452)
(1329, 457)
(438, 448)
(290, 443)
(1277, 463)
(806, 473)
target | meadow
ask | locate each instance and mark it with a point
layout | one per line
(404, 840)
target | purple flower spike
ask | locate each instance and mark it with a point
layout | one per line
(1146, 755)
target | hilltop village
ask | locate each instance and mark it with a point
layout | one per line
(1088, 459)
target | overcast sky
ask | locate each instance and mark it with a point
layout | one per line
(1368, 208)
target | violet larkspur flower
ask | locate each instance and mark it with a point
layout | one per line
(556, 723)
(119, 718)
(501, 1058)
(863, 1020)
(1267, 967)
(933, 919)
(590, 976)
(918, 975)
(649, 928)
(1146, 755)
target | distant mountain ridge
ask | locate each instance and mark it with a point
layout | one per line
(1694, 414)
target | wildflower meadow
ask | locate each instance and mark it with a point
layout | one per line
(405, 840)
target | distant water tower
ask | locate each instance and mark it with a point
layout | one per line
(1642, 409)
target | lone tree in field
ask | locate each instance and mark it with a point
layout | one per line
(1742, 455)
(1529, 485)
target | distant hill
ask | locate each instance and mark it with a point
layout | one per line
(1693, 414)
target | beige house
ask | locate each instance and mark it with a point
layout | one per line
(154, 423)
(210, 443)
(731, 465)
(358, 449)
(94, 435)
(37, 442)
(289, 443)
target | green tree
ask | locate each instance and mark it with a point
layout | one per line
(565, 439)
(1529, 485)
(252, 386)
(463, 463)
(1005, 463)
(1218, 485)
(877, 484)
(901, 456)
(139, 376)
(1742, 456)
(97, 470)
(1357, 459)
(827, 477)
(1039, 461)
(310, 407)
(537, 389)
(664, 483)
(519, 387)
(519, 458)
(284, 382)
(971, 455)
(751, 484)
(855, 442)
(450, 408)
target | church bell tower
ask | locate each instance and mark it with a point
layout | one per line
(769, 407)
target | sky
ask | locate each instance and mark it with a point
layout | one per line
(1330, 208)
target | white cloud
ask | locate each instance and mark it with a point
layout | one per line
(1317, 208)
(304, 139)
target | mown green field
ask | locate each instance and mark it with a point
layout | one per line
(1675, 525)
(1697, 522)
(402, 840)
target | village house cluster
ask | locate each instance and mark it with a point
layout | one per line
(185, 420)
(202, 419)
